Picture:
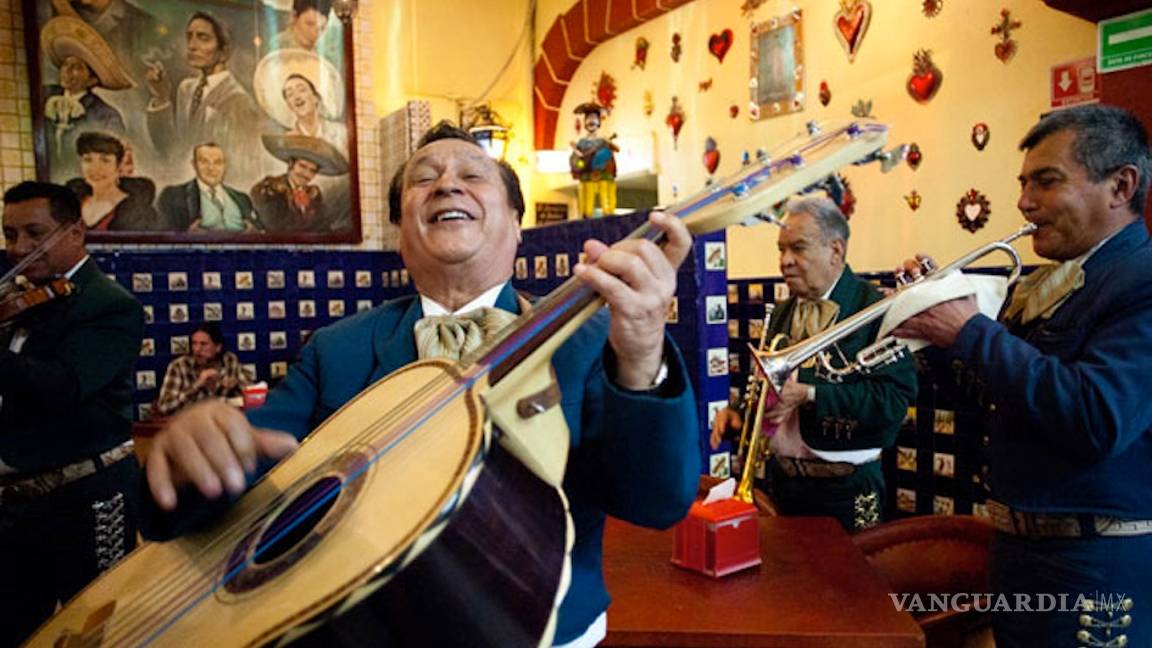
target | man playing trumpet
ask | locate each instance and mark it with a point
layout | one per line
(830, 430)
(1065, 371)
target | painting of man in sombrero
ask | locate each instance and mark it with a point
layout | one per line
(259, 86)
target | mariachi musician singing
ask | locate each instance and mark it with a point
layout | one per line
(67, 351)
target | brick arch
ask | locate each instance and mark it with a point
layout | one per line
(569, 40)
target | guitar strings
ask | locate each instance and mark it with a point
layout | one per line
(179, 582)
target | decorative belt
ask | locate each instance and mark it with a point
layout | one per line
(1067, 525)
(17, 488)
(794, 467)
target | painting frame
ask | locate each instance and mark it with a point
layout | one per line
(243, 109)
(776, 54)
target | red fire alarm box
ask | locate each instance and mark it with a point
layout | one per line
(718, 538)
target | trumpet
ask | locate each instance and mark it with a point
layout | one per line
(753, 441)
(778, 365)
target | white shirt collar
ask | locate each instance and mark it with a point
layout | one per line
(214, 80)
(75, 268)
(486, 298)
(206, 188)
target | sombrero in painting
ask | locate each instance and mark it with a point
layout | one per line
(272, 73)
(286, 147)
(65, 36)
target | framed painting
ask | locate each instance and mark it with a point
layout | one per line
(219, 121)
(777, 53)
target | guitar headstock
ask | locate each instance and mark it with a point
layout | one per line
(805, 160)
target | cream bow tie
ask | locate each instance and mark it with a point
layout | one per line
(811, 317)
(1042, 292)
(63, 109)
(453, 336)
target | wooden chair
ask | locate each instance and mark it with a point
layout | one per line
(935, 554)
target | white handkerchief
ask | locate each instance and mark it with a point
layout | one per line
(722, 491)
(990, 292)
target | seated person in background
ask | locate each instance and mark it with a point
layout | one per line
(827, 460)
(208, 371)
(627, 399)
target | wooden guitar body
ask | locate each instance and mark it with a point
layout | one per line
(367, 501)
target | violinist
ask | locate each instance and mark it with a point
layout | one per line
(68, 480)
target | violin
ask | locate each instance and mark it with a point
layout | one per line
(17, 301)
(17, 294)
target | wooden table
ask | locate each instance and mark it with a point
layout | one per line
(814, 588)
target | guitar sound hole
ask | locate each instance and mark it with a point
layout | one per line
(299, 518)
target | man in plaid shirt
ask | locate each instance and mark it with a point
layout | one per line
(208, 371)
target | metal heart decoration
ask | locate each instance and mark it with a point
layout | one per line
(925, 79)
(825, 93)
(711, 156)
(851, 24)
(913, 157)
(719, 44)
(972, 210)
(980, 135)
(913, 199)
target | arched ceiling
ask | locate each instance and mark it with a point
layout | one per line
(572, 36)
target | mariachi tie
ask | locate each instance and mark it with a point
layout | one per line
(198, 95)
(453, 336)
(1042, 292)
(811, 317)
(214, 196)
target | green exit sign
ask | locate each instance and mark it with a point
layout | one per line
(1125, 41)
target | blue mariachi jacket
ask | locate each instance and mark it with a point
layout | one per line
(1069, 416)
(633, 455)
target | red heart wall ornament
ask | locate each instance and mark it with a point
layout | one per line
(851, 24)
(825, 93)
(925, 79)
(973, 210)
(719, 44)
(711, 160)
(675, 120)
(913, 157)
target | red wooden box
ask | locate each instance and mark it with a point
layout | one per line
(718, 538)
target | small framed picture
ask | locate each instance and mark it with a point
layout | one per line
(146, 379)
(363, 305)
(716, 309)
(733, 328)
(149, 314)
(980, 509)
(305, 279)
(304, 335)
(780, 292)
(277, 340)
(363, 279)
(581, 257)
(715, 256)
(141, 282)
(178, 344)
(245, 310)
(755, 329)
(521, 266)
(145, 410)
(336, 308)
(733, 363)
(246, 341)
(944, 422)
(943, 505)
(384, 279)
(306, 308)
(177, 281)
(244, 280)
(335, 278)
(276, 310)
(756, 293)
(275, 279)
(147, 347)
(673, 316)
(177, 313)
(906, 500)
(394, 275)
(718, 361)
(403, 276)
(733, 294)
(249, 369)
(278, 369)
(720, 465)
(906, 458)
(713, 407)
(211, 281)
(562, 269)
(213, 312)
(540, 267)
(944, 465)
